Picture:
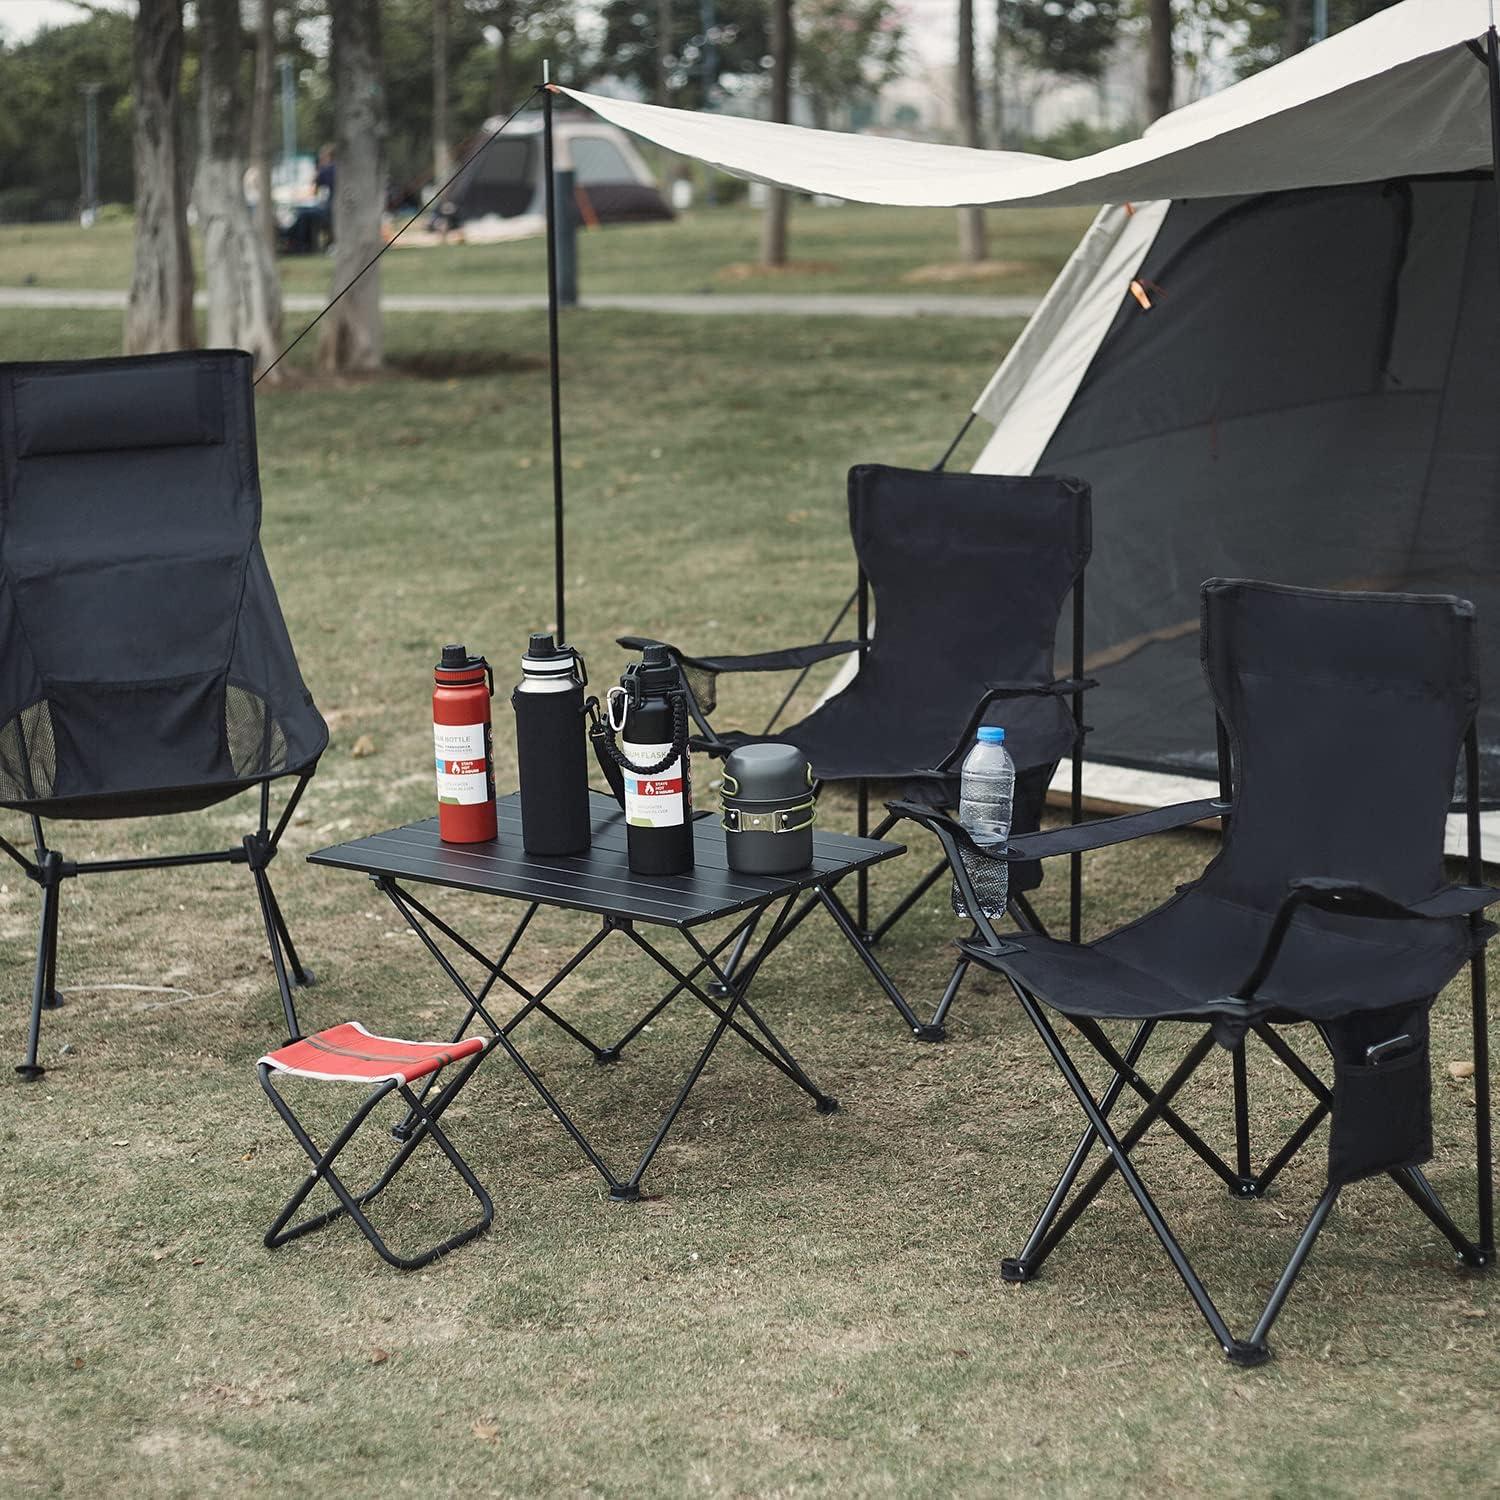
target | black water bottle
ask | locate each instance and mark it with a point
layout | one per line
(658, 791)
(550, 751)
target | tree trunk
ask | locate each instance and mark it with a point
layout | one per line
(1296, 27)
(773, 226)
(352, 335)
(663, 48)
(159, 314)
(239, 272)
(971, 244)
(997, 78)
(1159, 60)
(261, 125)
(500, 100)
(442, 157)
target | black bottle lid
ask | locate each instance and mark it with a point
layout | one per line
(454, 657)
(658, 672)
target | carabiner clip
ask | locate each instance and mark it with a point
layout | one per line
(613, 696)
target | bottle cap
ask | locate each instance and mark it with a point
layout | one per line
(454, 657)
(545, 658)
(657, 672)
(991, 734)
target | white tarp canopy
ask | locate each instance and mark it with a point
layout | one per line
(1402, 94)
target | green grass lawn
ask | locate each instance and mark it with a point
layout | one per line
(850, 248)
(810, 1305)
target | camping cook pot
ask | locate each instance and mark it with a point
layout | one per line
(768, 809)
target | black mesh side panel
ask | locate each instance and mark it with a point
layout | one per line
(257, 745)
(28, 758)
(704, 686)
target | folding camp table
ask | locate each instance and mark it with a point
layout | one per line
(600, 881)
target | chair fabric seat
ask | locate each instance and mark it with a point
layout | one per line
(1187, 959)
(347, 1053)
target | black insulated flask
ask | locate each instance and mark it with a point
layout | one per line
(648, 711)
(551, 754)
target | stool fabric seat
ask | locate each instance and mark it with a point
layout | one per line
(347, 1053)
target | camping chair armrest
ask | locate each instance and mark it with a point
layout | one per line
(1099, 833)
(1075, 839)
(1063, 687)
(792, 658)
(1346, 898)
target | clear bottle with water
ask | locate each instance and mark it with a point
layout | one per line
(986, 789)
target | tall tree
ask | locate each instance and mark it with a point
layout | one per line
(1039, 41)
(735, 52)
(352, 336)
(1159, 58)
(847, 51)
(778, 202)
(261, 124)
(159, 313)
(239, 271)
(971, 240)
(442, 156)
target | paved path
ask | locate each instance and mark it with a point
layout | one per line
(815, 304)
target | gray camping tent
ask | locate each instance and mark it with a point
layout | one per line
(1275, 354)
(502, 188)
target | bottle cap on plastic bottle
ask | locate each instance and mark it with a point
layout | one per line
(991, 734)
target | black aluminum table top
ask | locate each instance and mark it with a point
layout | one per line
(600, 879)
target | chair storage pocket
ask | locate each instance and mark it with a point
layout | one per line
(1382, 1111)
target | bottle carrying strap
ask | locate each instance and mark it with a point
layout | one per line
(612, 760)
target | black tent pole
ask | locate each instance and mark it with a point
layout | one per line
(1492, 60)
(550, 191)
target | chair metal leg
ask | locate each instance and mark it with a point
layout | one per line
(302, 977)
(1483, 1152)
(1294, 1266)
(41, 986)
(1238, 1351)
(1023, 1266)
(1415, 1185)
(1247, 1186)
(273, 940)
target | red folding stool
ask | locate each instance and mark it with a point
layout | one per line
(350, 1054)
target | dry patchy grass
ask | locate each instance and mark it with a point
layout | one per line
(811, 1305)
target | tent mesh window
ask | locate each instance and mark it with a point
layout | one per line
(1309, 397)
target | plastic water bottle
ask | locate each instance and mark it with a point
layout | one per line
(986, 788)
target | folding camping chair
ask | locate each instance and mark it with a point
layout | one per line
(144, 664)
(350, 1054)
(1341, 717)
(969, 573)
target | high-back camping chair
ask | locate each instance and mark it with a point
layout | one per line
(968, 575)
(1342, 717)
(144, 664)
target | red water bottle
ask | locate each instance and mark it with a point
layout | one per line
(463, 747)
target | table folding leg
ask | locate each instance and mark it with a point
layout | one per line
(730, 1008)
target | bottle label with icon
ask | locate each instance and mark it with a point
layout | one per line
(462, 755)
(653, 801)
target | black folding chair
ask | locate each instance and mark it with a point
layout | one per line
(1341, 719)
(969, 574)
(144, 664)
